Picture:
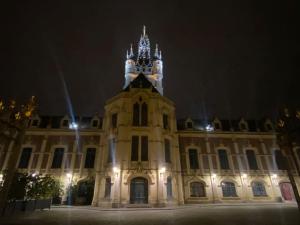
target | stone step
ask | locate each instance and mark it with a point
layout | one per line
(138, 206)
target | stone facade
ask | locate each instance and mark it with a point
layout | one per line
(140, 154)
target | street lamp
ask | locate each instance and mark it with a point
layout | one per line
(288, 133)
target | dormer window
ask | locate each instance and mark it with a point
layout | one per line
(268, 126)
(95, 123)
(65, 123)
(243, 126)
(189, 125)
(34, 123)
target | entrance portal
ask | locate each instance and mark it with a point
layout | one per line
(139, 191)
(287, 191)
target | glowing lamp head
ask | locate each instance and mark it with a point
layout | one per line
(244, 175)
(115, 169)
(274, 176)
(1, 177)
(69, 175)
(163, 170)
(214, 175)
(73, 126)
(209, 128)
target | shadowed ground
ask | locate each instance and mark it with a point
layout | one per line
(187, 215)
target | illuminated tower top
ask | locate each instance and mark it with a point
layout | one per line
(143, 63)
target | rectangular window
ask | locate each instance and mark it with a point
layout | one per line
(165, 121)
(90, 158)
(107, 187)
(57, 158)
(167, 151)
(111, 150)
(135, 148)
(193, 156)
(25, 157)
(114, 120)
(224, 164)
(251, 160)
(144, 148)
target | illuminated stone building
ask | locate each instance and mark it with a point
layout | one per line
(139, 154)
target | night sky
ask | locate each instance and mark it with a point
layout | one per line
(221, 58)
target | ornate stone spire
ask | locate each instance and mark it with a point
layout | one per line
(144, 49)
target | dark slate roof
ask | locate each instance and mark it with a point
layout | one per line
(140, 82)
(55, 121)
(227, 125)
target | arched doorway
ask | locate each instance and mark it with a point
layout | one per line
(287, 191)
(139, 191)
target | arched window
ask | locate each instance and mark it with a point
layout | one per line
(228, 189)
(136, 114)
(280, 160)
(169, 188)
(144, 115)
(251, 160)
(197, 189)
(140, 114)
(258, 189)
(224, 164)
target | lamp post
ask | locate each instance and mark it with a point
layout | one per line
(288, 133)
(13, 122)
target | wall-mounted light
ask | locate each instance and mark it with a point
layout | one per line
(213, 176)
(73, 126)
(209, 127)
(244, 175)
(162, 171)
(116, 171)
(1, 177)
(274, 176)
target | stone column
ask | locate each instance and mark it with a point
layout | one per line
(41, 154)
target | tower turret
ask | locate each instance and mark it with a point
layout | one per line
(143, 63)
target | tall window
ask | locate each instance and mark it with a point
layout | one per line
(251, 160)
(280, 160)
(137, 153)
(144, 115)
(114, 120)
(111, 150)
(135, 148)
(228, 189)
(197, 189)
(144, 148)
(193, 157)
(165, 121)
(90, 158)
(57, 158)
(25, 157)
(169, 188)
(107, 187)
(167, 151)
(223, 159)
(258, 189)
(136, 114)
(140, 114)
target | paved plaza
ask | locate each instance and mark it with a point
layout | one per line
(187, 215)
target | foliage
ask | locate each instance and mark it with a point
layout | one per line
(26, 186)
